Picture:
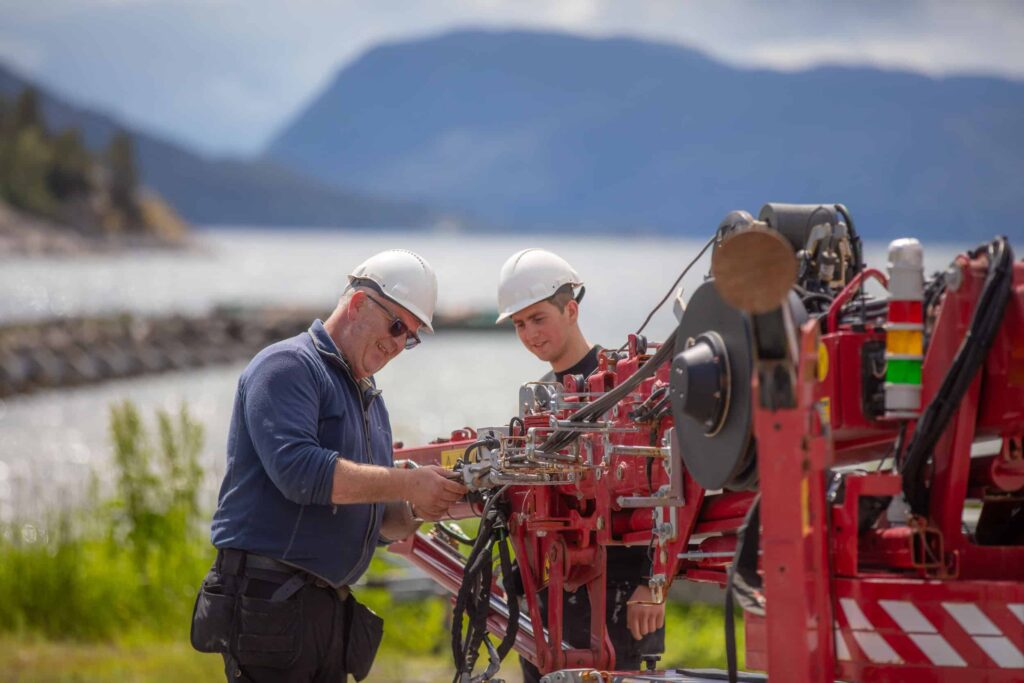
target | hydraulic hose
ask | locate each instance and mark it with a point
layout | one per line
(985, 322)
(474, 597)
(558, 440)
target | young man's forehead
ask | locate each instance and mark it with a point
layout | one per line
(533, 310)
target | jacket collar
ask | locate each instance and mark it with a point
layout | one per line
(325, 346)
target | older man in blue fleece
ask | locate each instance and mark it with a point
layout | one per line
(310, 490)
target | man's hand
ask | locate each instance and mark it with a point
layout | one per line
(643, 619)
(432, 491)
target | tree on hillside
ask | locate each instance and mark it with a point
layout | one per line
(123, 177)
(26, 112)
(28, 163)
(69, 171)
(25, 156)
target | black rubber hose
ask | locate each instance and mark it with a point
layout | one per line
(985, 322)
(512, 597)
(558, 440)
(473, 601)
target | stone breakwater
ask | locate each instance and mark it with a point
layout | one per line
(66, 352)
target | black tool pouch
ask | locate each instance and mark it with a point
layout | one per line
(213, 615)
(364, 633)
(269, 632)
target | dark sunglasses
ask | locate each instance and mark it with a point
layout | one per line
(398, 328)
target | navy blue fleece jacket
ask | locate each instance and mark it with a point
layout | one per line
(297, 409)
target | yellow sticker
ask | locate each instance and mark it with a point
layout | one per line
(822, 362)
(449, 457)
(825, 410)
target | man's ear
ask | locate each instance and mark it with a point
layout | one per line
(573, 310)
(355, 304)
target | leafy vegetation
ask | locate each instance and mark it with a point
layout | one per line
(53, 175)
(128, 566)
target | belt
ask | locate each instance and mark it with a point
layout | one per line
(241, 562)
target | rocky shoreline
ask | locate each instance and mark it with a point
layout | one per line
(66, 352)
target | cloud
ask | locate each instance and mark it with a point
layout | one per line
(224, 75)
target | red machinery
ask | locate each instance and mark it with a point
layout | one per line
(839, 426)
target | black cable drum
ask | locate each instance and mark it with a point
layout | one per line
(713, 355)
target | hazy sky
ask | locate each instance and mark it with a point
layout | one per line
(224, 75)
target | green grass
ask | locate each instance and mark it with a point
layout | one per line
(25, 660)
(124, 566)
(414, 650)
(695, 637)
(28, 660)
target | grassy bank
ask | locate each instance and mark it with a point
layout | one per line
(105, 593)
(414, 651)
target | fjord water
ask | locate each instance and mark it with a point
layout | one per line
(52, 442)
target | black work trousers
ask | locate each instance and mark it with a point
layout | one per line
(576, 628)
(298, 640)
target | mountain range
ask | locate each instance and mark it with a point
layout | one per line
(524, 130)
(556, 131)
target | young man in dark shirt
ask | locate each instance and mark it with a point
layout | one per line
(536, 291)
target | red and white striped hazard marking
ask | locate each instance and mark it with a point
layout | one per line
(945, 634)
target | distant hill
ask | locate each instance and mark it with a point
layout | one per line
(229, 191)
(549, 130)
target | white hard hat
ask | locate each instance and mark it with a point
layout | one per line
(403, 277)
(529, 276)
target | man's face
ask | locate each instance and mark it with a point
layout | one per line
(545, 330)
(374, 346)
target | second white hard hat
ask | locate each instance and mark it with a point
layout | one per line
(406, 278)
(529, 276)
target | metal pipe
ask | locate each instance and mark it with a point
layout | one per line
(644, 451)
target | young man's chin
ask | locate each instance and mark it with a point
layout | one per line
(543, 354)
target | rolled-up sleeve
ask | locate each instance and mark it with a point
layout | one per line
(282, 403)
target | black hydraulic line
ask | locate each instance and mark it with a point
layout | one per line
(512, 596)
(985, 322)
(673, 287)
(473, 600)
(489, 441)
(649, 406)
(558, 440)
